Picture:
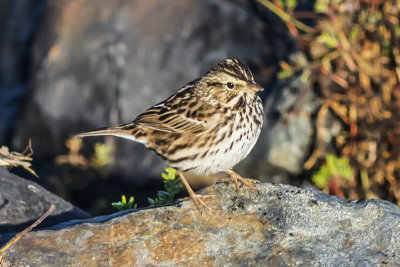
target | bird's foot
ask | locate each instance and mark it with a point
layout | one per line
(197, 199)
(200, 204)
(245, 181)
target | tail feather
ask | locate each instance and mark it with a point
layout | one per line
(119, 131)
(99, 132)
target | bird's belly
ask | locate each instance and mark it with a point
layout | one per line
(222, 155)
(227, 159)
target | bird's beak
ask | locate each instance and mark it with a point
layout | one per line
(254, 88)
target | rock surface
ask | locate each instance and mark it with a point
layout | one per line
(281, 226)
(23, 201)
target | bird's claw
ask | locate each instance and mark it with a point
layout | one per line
(245, 181)
(198, 201)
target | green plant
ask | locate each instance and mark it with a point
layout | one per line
(123, 205)
(172, 185)
(332, 174)
(334, 166)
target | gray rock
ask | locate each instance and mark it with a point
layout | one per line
(281, 226)
(22, 202)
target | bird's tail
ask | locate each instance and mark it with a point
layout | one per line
(124, 131)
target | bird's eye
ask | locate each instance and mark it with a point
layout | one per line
(230, 85)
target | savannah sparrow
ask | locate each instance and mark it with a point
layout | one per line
(206, 127)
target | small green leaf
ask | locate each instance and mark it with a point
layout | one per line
(165, 176)
(172, 185)
(170, 175)
(321, 6)
(328, 39)
(334, 166)
(305, 76)
(123, 205)
(286, 70)
(321, 178)
(291, 4)
(131, 201)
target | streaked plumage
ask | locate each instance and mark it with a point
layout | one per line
(206, 127)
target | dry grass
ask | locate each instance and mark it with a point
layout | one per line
(15, 159)
(352, 57)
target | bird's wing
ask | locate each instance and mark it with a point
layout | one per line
(182, 112)
(170, 122)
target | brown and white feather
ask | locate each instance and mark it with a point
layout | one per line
(205, 127)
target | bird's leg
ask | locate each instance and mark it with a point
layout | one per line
(246, 181)
(197, 199)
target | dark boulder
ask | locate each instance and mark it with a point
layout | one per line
(22, 202)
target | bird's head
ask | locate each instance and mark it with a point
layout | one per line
(230, 79)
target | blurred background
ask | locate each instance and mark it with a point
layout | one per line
(329, 69)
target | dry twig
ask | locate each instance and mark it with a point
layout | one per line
(18, 236)
(15, 159)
